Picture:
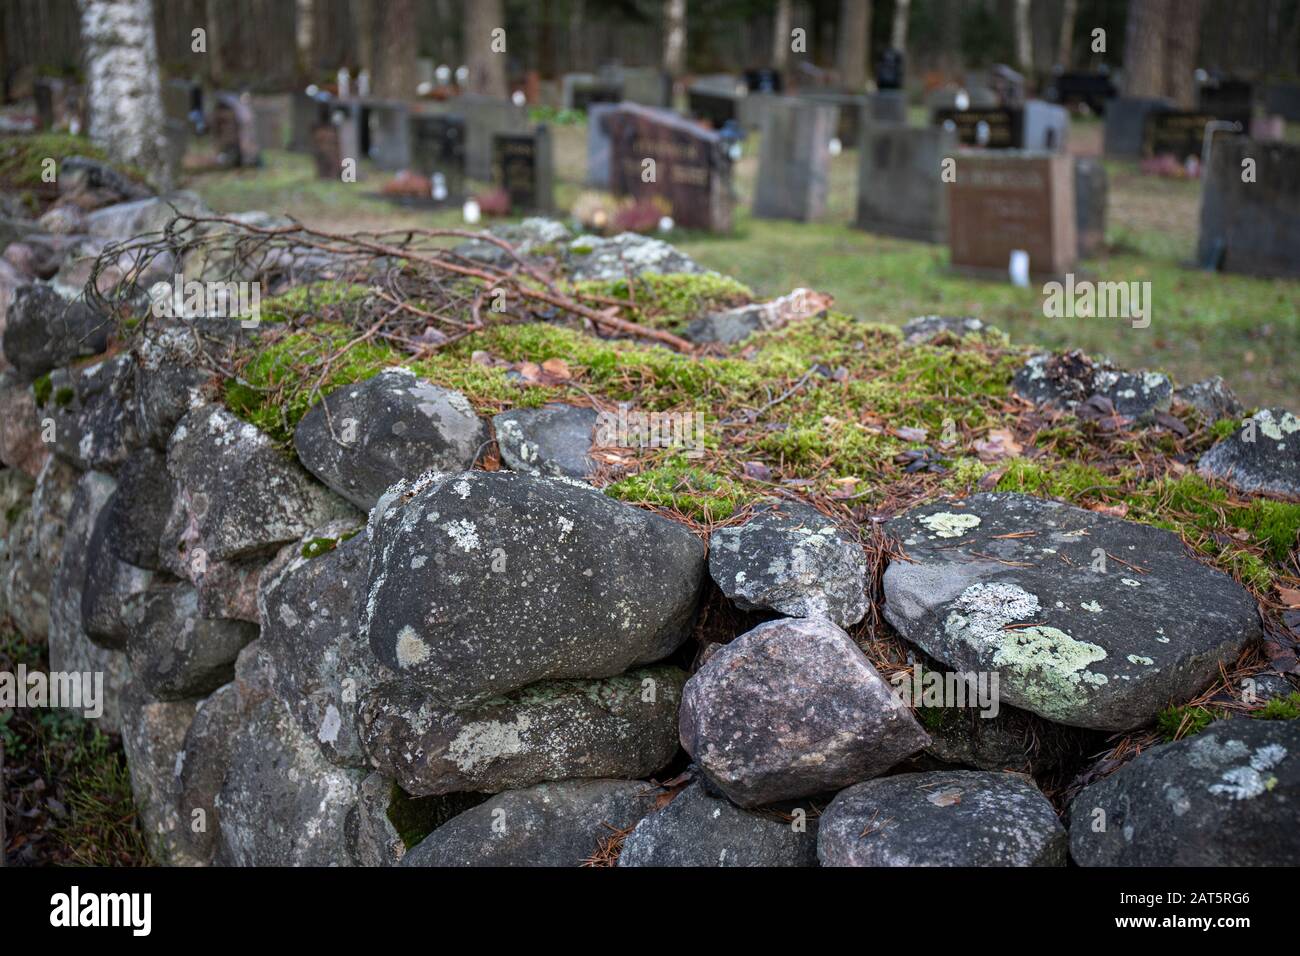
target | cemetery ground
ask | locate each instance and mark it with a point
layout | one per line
(1203, 324)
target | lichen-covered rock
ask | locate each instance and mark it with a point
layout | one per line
(387, 821)
(308, 605)
(554, 440)
(169, 380)
(1225, 797)
(113, 595)
(139, 216)
(237, 496)
(136, 515)
(552, 730)
(530, 239)
(1263, 455)
(281, 802)
(484, 582)
(790, 709)
(200, 770)
(178, 654)
(923, 328)
(21, 446)
(363, 438)
(1088, 619)
(153, 736)
(94, 423)
(551, 824)
(43, 330)
(82, 177)
(793, 560)
(735, 325)
(1066, 380)
(71, 649)
(34, 546)
(1212, 398)
(698, 829)
(944, 818)
(625, 255)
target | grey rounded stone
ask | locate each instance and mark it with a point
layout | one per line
(794, 561)
(945, 818)
(362, 438)
(551, 730)
(1106, 650)
(552, 824)
(42, 330)
(697, 829)
(1229, 796)
(790, 709)
(484, 582)
(553, 440)
(1263, 455)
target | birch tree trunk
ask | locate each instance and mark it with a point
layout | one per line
(675, 37)
(898, 35)
(1024, 37)
(123, 91)
(1065, 46)
(781, 35)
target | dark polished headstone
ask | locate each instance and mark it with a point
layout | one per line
(1251, 224)
(522, 165)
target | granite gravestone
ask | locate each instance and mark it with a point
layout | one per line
(1046, 127)
(1080, 88)
(713, 104)
(794, 161)
(1176, 133)
(438, 149)
(234, 131)
(887, 106)
(485, 116)
(647, 85)
(848, 112)
(380, 129)
(271, 119)
(658, 156)
(1229, 99)
(1251, 224)
(1007, 201)
(997, 128)
(763, 80)
(900, 190)
(307, 111)
(1126, 118)
(1091, 193)
(598, 150)
(1283, 99)
(522, 165)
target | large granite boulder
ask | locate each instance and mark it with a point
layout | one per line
(91, 410)
(35, 544)
(792, 560)
(237, 495)
(153, 736)
(175, 652)
(1087, 619)
(113, 593)
(790, 709)
(308, 602)
(554, 440)
(136, 515)
(362, 438)
(551, 730)
(21, 444)
(43, 331)
(944, 818)
(627, 254)
(484, 582)
(1225, 797)
(1262, 456)
(697, 828)
(551, 824)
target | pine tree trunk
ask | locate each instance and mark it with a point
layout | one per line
(124, 93)
(395, 73)
(487, 69)
(304, 27)
(854, 40)
(1144, 47)
(363, 21)
(675, 37)
(1182, 43)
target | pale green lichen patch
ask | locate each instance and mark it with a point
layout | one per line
(948, 525)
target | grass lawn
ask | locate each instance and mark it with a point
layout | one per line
(1246, 329)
